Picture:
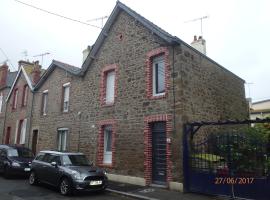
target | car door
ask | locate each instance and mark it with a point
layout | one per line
(53, 172)
(43, 167)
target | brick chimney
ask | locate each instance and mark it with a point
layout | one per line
(199, 44)
(3, 75)
(86, 52)
(36, 72)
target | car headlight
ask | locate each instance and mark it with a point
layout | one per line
(76, 175)
(15, 164)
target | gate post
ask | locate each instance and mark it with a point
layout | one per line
(186, 157)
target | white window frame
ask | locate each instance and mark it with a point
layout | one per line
(107, 155)
(110, 87)
(45, 103)
(157, 60)
(1, 101)
(23, 132)
(62, 141)
(66, 97)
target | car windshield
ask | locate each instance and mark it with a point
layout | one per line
(20, 152)
(76, 160)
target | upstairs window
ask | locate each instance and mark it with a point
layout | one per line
(158, 71)
(15, 98)
(25, 95)
(44, 106)
(110, 84)
(66, 89)
(1, 102)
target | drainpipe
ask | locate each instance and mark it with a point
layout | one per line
(4, 124)
(30, 119)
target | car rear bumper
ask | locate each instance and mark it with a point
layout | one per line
(19, 170)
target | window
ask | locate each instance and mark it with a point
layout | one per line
(62, 139)
(15, 98)
(158, 76)
(1, 102)
(21, 131)
(25, 95)
(107, 157)
(110, 84)
(66, 88)
(44, 105)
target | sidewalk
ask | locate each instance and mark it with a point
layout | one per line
(153, 193)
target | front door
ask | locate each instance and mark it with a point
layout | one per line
(159, 165)
(34, 141)
(7, 138)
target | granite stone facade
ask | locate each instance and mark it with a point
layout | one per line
(196, 88)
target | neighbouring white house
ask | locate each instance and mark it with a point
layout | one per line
(260, 109)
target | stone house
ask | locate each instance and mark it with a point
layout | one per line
(127, 105)
(19, 104)
(55, 121)
(6, 80)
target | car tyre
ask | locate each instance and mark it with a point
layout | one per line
(33, 180)
(6, 173)
(65, 187)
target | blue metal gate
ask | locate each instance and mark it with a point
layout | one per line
(226, 163)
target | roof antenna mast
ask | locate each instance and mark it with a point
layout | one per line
(201, 19)
(42, 55)
(97, 19)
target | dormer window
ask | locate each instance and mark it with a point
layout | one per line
(66, 89)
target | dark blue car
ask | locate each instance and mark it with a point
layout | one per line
(15, 160)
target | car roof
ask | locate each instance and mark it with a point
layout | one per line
(7, 146)
(61, 153)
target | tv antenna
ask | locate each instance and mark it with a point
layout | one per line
(42, 55)
(197, 19)
(25, 54)
(99, 19)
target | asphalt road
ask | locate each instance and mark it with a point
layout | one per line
(19, 189)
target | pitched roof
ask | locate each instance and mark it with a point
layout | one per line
(69, 68)
(170, 39)
(10, 78)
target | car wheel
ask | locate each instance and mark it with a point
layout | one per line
(65, 187)
(33, 180)
(6, 173)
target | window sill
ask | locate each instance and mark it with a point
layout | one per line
(107, 104)
(106, 165)
(161, 96)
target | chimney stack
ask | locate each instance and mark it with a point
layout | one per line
(86, 53)
(199, 44)
(36, 72)
(3, 75)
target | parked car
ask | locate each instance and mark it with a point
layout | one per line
(68, 171)
(15, 160)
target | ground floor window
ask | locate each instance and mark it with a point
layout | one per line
(107, 157)
(62, 139)
(106, 143)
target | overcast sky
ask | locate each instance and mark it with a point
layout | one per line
(236, 31)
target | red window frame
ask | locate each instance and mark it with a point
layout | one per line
(162, 51)
(104, 72)
(100, 154)
(15, 93)
(25, 95)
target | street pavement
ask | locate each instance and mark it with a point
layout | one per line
(19, 189)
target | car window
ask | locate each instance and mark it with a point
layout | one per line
(46, 157)
(20, 152)
(76, 160)
(39, 157)
(55, 158)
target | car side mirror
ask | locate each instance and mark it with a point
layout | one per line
(54, 164)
